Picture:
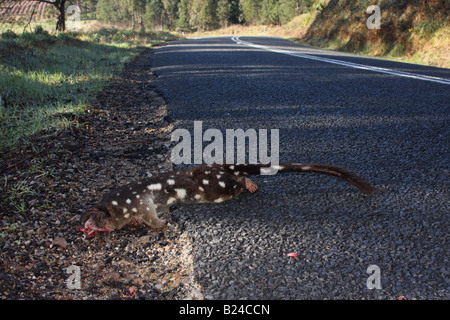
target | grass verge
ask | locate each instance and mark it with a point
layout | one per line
(46, 83)
(44, 75)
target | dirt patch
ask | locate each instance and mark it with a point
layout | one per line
(124, 137)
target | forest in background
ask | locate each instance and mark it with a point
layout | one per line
(198, 15)
(416, 31)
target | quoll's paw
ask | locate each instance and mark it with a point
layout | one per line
(250, 185)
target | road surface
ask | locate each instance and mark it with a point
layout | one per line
(387, 121)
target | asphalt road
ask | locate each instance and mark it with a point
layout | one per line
(381, 119)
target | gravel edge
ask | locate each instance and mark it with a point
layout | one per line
(124, 136)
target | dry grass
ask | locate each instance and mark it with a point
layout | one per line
(409, 33)
(294, 29)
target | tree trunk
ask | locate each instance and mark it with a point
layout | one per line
(61, 7)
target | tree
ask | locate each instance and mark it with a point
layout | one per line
(251, 10)
(208, 15)
(279, 12)
(270, 12)
(183, 15)
(126, 12)
(287, 10)
(223, 12)
(171, 9)
(109, 11)
(236, 14)
(137, 10)
(194, 13)
(154, 14)
(88, 5)
(60, 6)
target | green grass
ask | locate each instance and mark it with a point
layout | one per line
(43, 78)
(42, 75)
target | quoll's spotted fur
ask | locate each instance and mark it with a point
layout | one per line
(143, 200)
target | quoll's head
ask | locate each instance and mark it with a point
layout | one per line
(95, 220)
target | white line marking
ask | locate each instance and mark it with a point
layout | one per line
(345, 63)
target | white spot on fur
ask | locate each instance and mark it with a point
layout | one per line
(219, 200)
(114, 203)
(126, 216)
(222, 184)
(306, 167)
(128, 201)
(134, 210)
(171, 200)
(155, 186)
(170, 182)
(201, 188)
(198, 196)
(231, 167)
(236, 173)
(207, 172)
(205, 181)
(125, 210)
(138, 196)
(219, 176)
(181, 193)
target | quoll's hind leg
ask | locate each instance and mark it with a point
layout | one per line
(135, 222)
(151, 219)
(250, 185)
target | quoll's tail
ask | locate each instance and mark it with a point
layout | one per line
(339, 172)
